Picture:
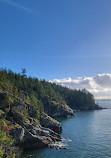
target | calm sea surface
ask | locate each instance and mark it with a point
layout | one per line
(87, 135)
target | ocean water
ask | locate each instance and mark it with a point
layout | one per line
(104, 103)
(86, 135)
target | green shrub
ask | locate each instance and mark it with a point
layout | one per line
(6, 141)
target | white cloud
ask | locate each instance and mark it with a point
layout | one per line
(99, 85)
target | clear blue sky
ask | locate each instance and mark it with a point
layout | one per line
(56, 38)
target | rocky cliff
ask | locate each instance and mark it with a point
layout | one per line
(28, 133)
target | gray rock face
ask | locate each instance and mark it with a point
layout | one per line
(39, 137)
(59, 110)
(18, 134)
(31, 134)
(31, 141)
(63, 112)
(48, 122)
(40, 131)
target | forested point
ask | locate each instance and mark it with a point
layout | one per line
(23, 99)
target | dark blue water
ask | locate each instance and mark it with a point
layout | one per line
(88, 135)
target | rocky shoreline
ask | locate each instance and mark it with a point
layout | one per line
(37, 136)
(34, 138)
(28, 108)
(29, 134)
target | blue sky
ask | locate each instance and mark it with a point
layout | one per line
(56, 38)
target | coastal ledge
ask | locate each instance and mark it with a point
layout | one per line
(29, 134)
(34, 135)
(48, 122)
(34, 138)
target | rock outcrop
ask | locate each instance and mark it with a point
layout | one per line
(30, 134)
(35, 137)
(58, 110)
(64, 111)
(18, 133)
(48, 122)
